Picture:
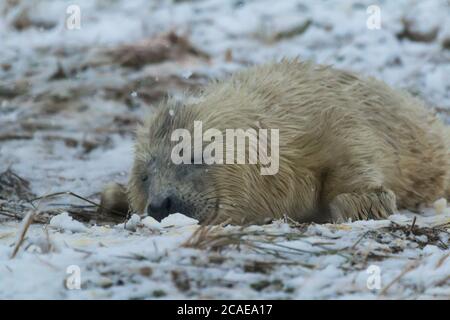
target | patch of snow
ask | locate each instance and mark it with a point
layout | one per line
(65, 222)
(133, 222)
(178, 220)
(151, 223)
(187, 74)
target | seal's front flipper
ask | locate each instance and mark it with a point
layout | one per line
(376, 204)
(114, 201)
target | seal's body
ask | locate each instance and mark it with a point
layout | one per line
(350, 147)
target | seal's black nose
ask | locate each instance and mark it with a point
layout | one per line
(159, 208)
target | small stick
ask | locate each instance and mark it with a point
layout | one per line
(412, 225)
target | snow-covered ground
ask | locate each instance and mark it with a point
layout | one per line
(70, 99)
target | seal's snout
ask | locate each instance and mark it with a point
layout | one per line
(161, 207)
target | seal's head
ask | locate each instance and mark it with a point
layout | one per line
(159, 184)
(167, 178)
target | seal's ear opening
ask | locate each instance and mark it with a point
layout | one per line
(114, 201)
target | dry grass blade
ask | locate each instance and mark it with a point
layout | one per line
(360, 239)
(212, 238)
(9, 215)
(215, 238)
(209, 230)
(17, 209)
(26, 222)
(441, 260)
(397, 278)
(72, 194)
(56, 194)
